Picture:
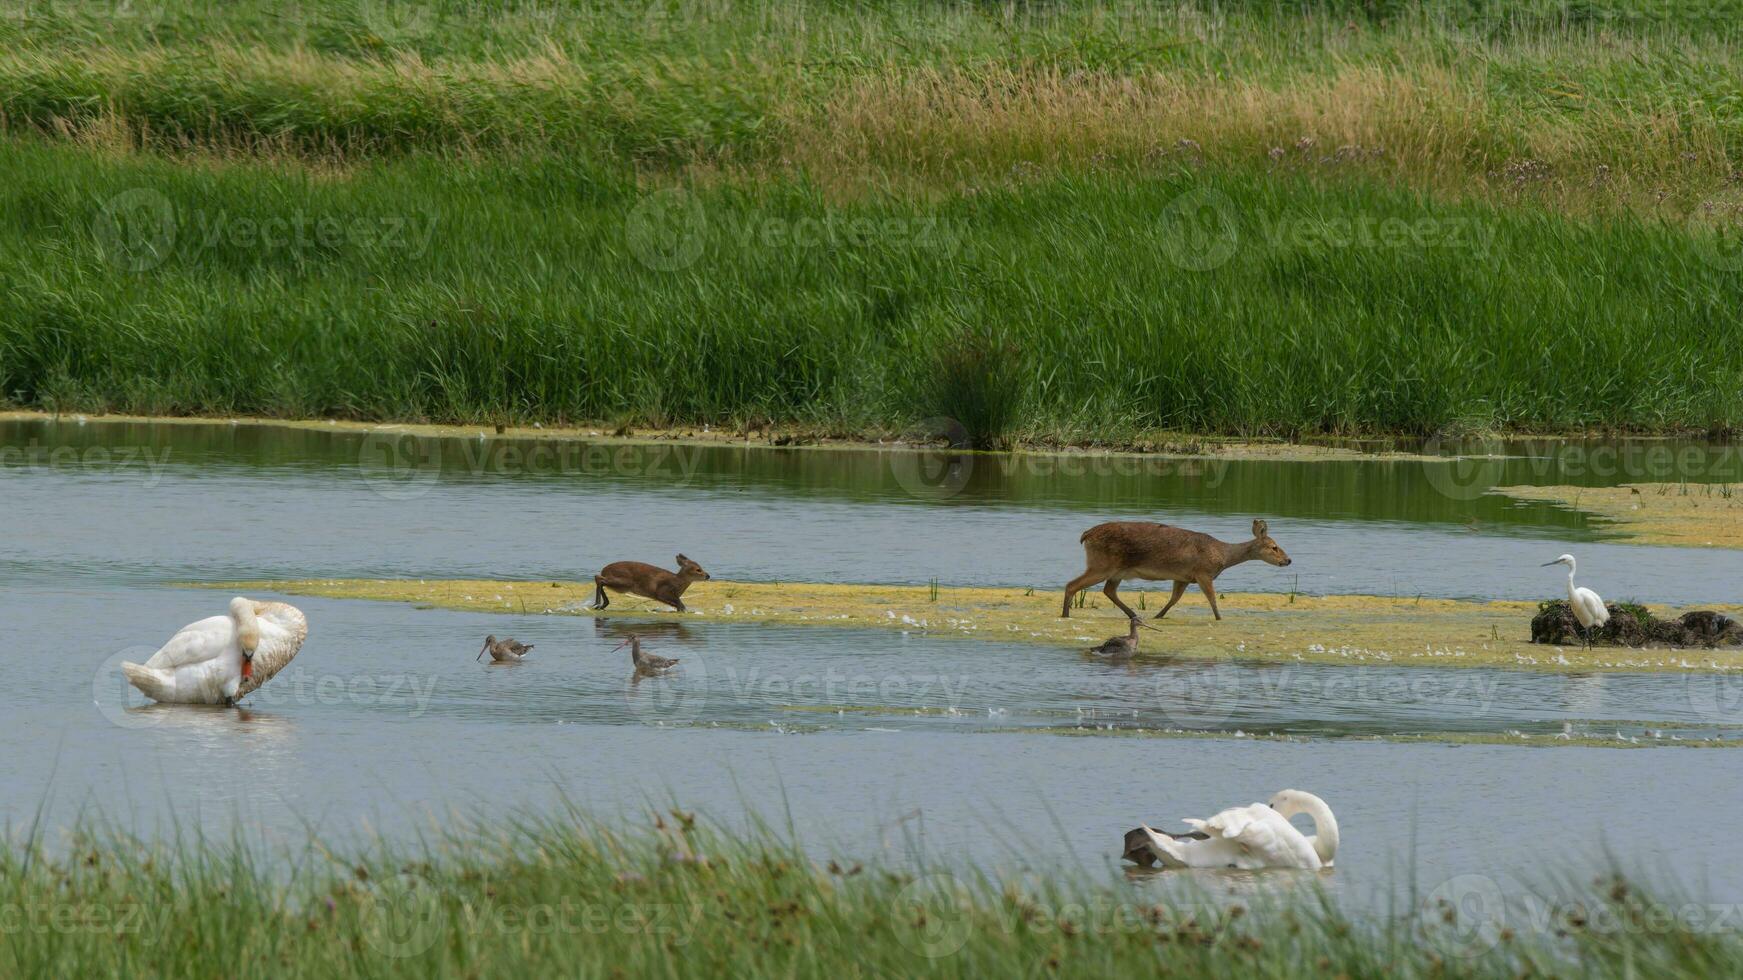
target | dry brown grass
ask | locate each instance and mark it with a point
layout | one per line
(1428, 128)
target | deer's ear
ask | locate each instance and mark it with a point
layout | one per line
(682, 559)
(1259, 529)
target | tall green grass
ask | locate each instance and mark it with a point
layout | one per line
(571, 899)
(549, 289)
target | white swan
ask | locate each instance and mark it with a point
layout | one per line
(221, 659)
(1245, 837)
(1588, 609)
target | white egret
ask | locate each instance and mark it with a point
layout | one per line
(221, 659)
(1245, 837)
(1588, 609)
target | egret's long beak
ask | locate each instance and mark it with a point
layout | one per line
(1549, 563)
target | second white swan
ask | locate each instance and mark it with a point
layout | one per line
(221, 659)
(1245, 837)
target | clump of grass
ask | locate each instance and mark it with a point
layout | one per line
(978, 379)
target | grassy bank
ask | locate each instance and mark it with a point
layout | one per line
(679, 899)
(1045, 223)
(1259, 627)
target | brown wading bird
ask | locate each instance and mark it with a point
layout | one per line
(1138, 549)
(505, 650)
(647, 581)
(645, 663)
(1119, 647)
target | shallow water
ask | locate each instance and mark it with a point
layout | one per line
(871, 743)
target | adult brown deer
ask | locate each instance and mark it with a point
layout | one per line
(1120, 550)
(648, 581)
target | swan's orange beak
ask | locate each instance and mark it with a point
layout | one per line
(247, 666)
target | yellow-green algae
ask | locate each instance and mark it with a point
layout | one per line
(1262, 627)
(1690, 515)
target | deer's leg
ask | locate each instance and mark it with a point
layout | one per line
(600, 599)
(1208, 587)
(1112, 591)
(1076, 585)
(1179, 590)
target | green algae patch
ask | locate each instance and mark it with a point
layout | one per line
(1689, 515)
(1261, 627)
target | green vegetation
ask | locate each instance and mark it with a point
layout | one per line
(1073, 220)
(680, 899)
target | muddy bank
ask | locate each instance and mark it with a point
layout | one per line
(1694, 515)
(1262, 627)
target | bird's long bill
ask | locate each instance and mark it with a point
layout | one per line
(620, 646)
(481, 652)
(1549, 563)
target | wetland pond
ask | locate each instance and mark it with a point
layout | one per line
(876, 745)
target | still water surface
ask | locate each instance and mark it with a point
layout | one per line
(876, 745)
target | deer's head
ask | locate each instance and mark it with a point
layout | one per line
(1266, 548)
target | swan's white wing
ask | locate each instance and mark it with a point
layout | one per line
(1187, 852)
(196, 643)
(1263, 838)
(283, 628)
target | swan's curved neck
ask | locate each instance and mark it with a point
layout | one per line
(247, 625)
(1325, 827)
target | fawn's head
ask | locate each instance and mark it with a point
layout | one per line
(690, 570)
(1266, 548)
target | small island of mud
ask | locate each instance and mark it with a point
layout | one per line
(1634, 626)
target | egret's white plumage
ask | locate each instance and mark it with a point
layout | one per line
(204, 662)
(1253, 837)
(1588, 609)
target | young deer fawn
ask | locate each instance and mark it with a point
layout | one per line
(647, 581)
(1120, 550)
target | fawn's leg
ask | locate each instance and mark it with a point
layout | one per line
(1179, 590)
(1209, 589)
(1075, 586)
(1112, 591)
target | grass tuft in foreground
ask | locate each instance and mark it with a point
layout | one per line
(568, 897)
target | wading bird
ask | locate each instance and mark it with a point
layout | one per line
(221, 659)
(645, 663)
(1119, 647)
(505, 650)
(1244, 837)
(1588, 609)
